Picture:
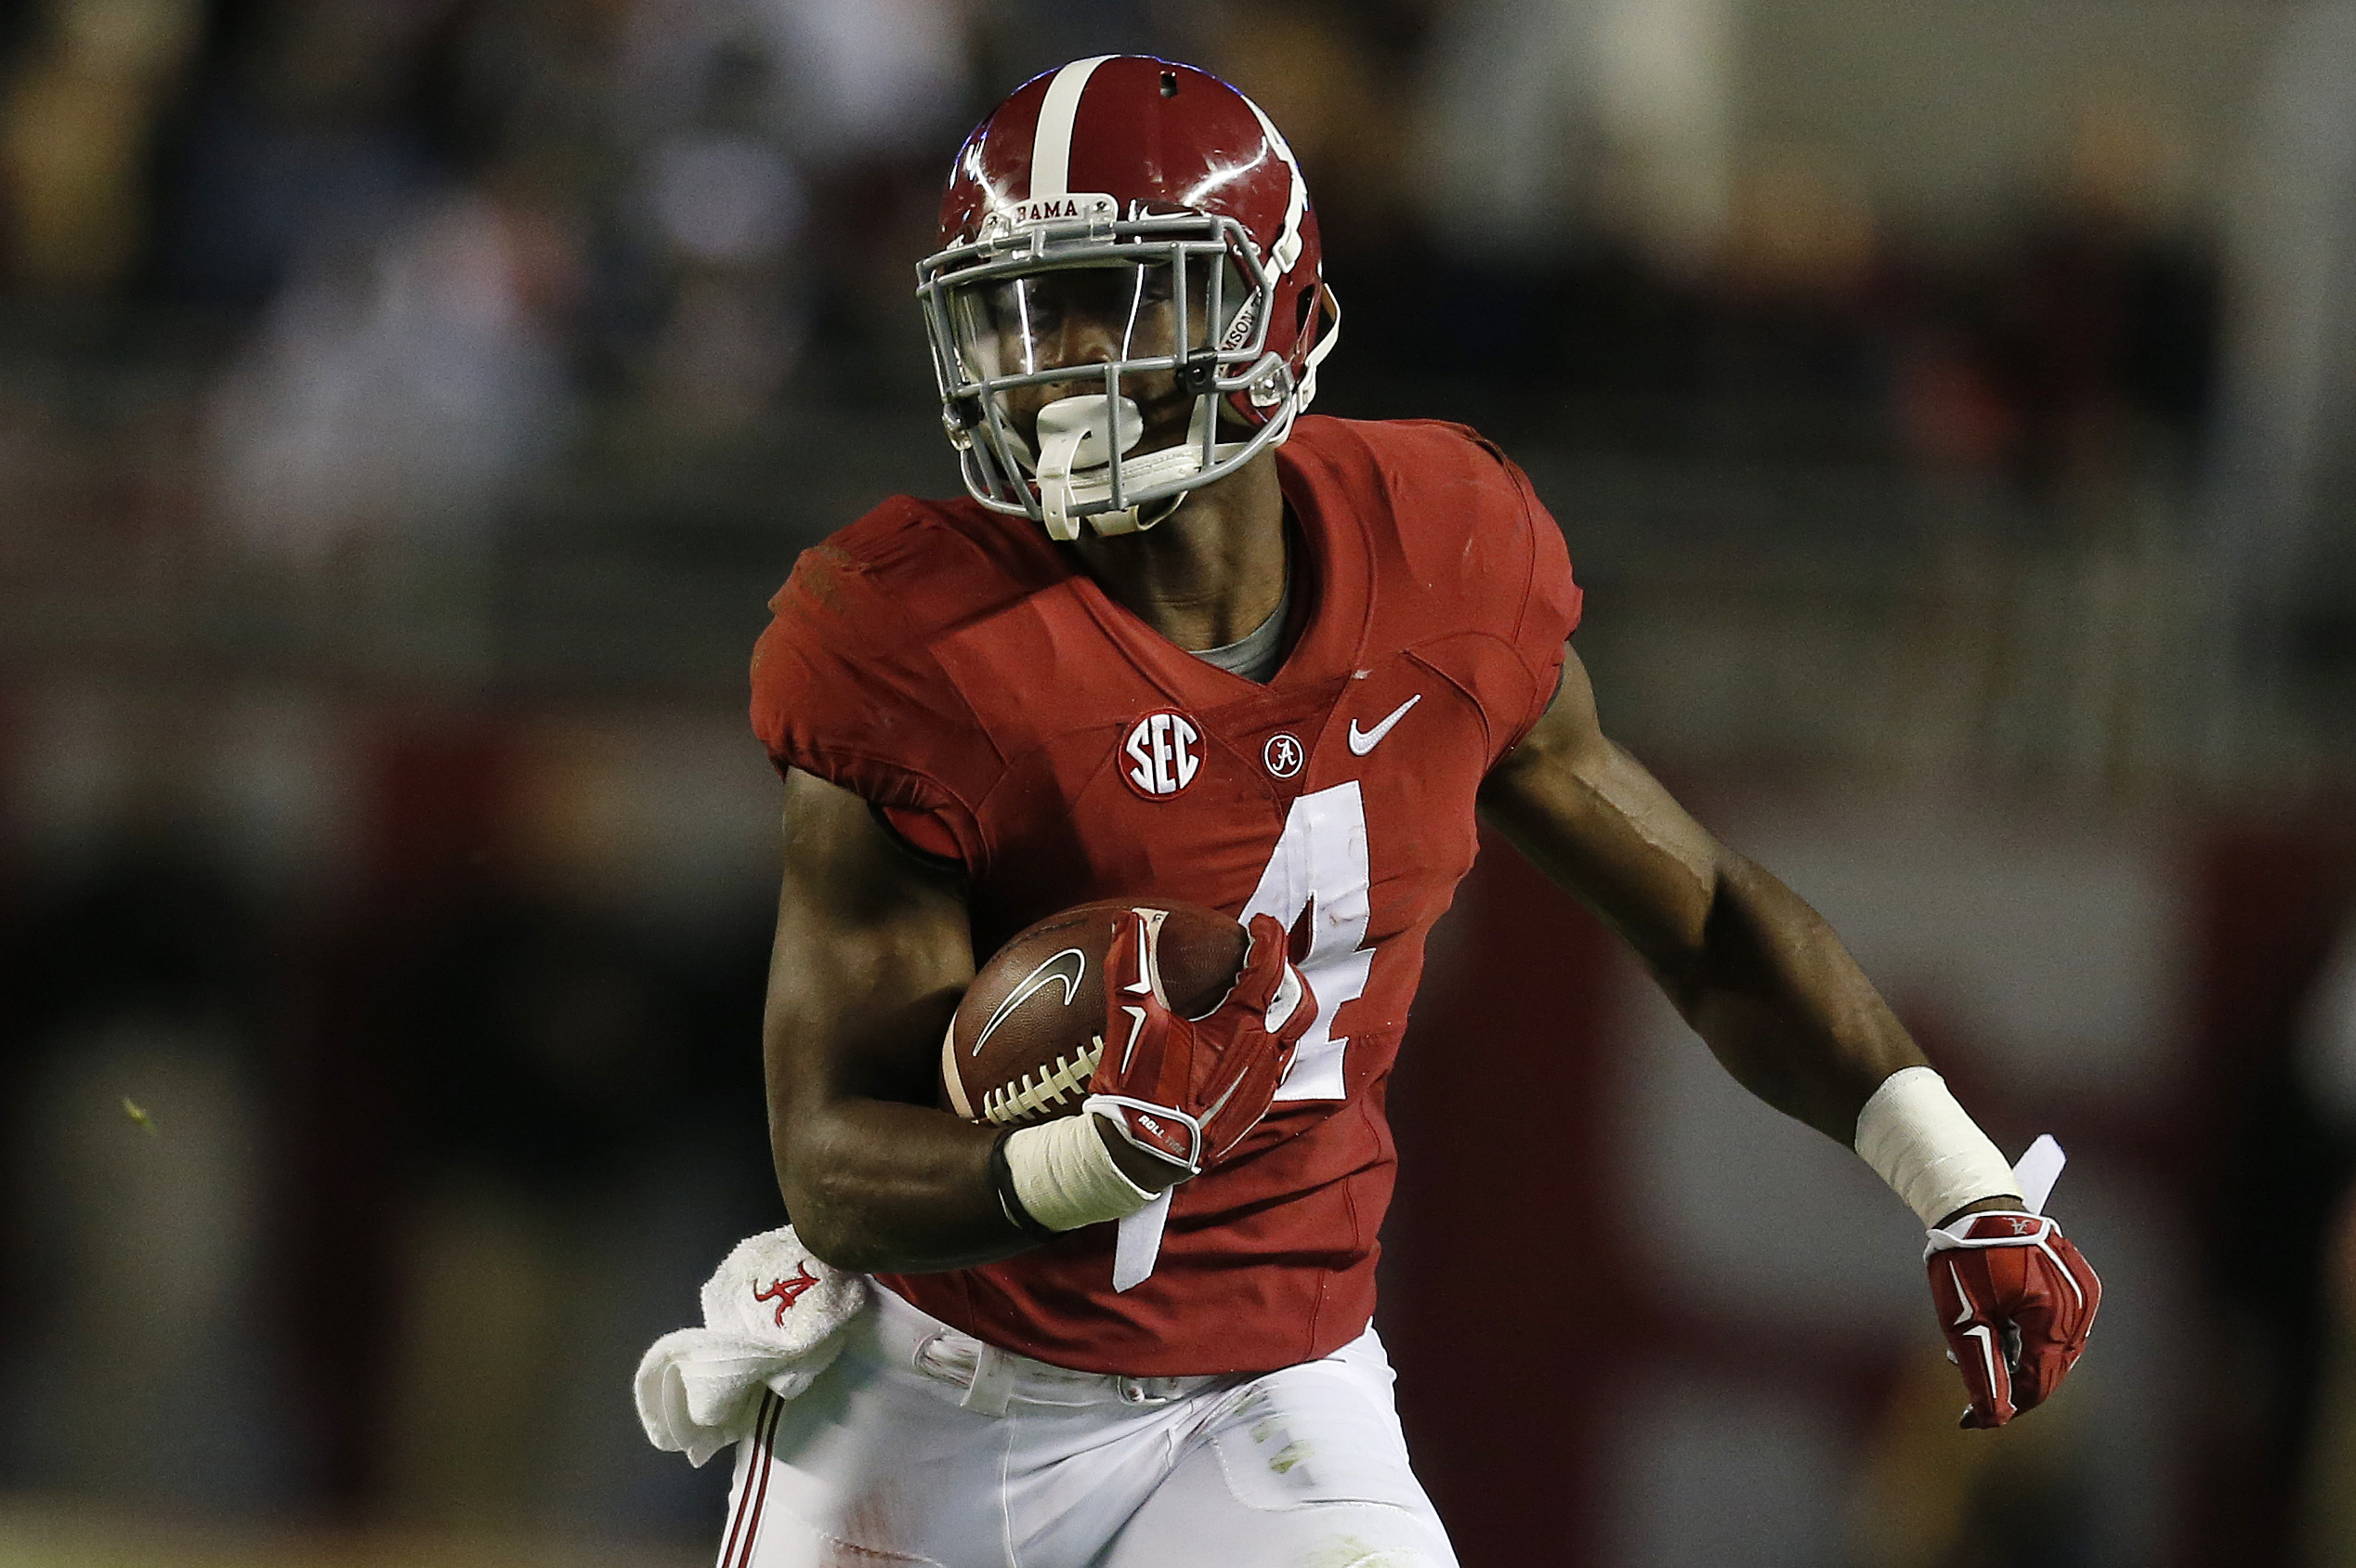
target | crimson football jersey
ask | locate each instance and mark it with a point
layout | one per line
(965, 675)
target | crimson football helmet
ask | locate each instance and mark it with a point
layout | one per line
(1128, 302)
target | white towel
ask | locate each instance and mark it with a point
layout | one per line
(773, 1318)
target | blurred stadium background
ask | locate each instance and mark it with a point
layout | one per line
(406, 407)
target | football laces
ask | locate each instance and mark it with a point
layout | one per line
(1023, 1099)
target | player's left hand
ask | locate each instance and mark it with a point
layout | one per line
(1186, 1091)
(2015, 1301)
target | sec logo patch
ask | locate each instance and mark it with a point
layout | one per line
(1283, 755)
(1161, 755)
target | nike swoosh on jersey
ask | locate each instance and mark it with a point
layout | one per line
(1364, 740)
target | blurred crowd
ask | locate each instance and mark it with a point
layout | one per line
(405, 406)
(433, 245)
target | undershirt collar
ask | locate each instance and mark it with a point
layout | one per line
(1257, 654)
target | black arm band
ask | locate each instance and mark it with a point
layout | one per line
(1010, 1203)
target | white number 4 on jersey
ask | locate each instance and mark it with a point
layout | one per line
(1320, 864)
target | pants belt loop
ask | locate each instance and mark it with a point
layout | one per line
(993, 1381)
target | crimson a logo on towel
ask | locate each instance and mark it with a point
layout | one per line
(785, 1292)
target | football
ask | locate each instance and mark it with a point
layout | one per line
(1027, 1034)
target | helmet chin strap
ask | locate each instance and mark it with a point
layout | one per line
(1074, 467)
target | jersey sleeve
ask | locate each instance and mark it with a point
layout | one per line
(845, 686)
(1548, 602)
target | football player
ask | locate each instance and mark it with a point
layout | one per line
(1183, 639)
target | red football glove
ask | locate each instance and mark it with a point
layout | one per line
(1188, 1089)
(2015, 1300)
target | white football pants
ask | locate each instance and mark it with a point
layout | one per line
(922, 1446)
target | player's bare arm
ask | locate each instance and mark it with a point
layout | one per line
(1755, 970)
(870, 956)
(1759, 974)
(1765, 982)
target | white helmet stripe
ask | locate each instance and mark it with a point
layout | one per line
(1052, 146)
(1287, 249)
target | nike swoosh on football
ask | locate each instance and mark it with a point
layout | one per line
(1054, 972)
(1364, 740)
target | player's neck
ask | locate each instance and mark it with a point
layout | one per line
(1212, 573)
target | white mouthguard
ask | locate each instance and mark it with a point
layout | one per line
(1075, 469)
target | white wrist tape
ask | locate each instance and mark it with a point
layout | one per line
(1066, 1176)
(1933, 1156)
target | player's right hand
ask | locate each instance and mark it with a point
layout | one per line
(1188, 1089)
(2015, 1301)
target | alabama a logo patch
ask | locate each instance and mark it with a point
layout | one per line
(1161, 754)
